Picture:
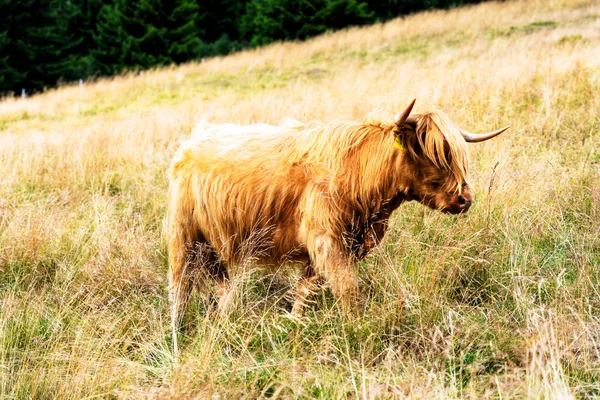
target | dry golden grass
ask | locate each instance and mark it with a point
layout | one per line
(500, 302)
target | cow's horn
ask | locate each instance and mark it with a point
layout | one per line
(403, 116)
(474, 138)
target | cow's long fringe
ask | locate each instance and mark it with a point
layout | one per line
(443, 144)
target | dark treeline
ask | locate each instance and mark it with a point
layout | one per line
(45, 42)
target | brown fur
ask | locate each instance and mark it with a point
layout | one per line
(319, 194)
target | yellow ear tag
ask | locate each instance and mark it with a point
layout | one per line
(398, 143)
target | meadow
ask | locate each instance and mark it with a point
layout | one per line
(501, 302)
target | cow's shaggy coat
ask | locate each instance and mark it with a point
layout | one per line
(318, 194)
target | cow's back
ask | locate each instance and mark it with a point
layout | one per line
(244, 188)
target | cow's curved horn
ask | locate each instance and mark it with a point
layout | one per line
(411, 120)
(403, 116)
(474, 138)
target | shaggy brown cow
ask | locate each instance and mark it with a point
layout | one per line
(318, 194)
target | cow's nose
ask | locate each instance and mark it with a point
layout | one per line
(464, 203)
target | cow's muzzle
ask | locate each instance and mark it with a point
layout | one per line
(464, 203)
(461, 205)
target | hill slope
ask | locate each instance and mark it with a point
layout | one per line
(502, 301)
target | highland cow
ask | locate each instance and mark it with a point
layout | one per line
(318, 196)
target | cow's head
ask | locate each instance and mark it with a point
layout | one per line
(435, 160)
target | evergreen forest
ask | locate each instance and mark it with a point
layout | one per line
(47, 42)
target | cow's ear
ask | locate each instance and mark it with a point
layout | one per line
(398, 141)
(405, 139)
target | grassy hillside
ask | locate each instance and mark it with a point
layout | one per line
(501, 302)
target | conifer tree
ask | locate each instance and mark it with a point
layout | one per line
(338, 14)
(36, 44)
(9, 75)
(55, 53)
(83, 27)
(268, 20)
(220, 17)
(146, 33)
(183, 34)
(109, 41)
(218, 26)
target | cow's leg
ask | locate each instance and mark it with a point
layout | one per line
(193, 263)
(182, 235)
(223, 289)
(307, 285)
(331, 262)
(180, 284)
